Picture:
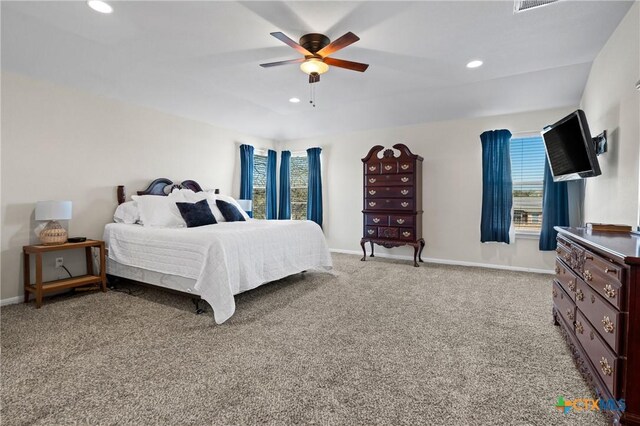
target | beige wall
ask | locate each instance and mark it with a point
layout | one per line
(452, 190)
(62, 144)
(611, 102)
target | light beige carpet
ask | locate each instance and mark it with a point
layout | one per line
(382, 343)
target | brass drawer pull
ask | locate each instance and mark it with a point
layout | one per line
(570, 314)
(372, 180)
(376, 219)
(579, 327)
(572, 285)
(554, 292)
(400, 221)
(372, 203)
(579, 295)
(404, 179)
(613, 271)
(557, 269)
(372, 168)
(406, 234)
(605, 367)
(587, 275)
(591, 335)
(609, 291)
(370, 231)
(372, 192)
(607, 325)
(404, 166)
(593, 299)
(404, 204)
(387, 167)
(587, 257)
(404, 192)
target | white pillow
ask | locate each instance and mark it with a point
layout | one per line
(127, 213)
(160, 211)
(232, 200)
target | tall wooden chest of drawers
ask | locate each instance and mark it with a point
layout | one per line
(392, 188)
(596, 302)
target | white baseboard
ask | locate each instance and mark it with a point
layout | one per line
(12, 300)
(452, 262)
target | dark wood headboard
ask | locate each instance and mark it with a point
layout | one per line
(159, 187)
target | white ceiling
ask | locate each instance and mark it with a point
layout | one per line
(200, 59)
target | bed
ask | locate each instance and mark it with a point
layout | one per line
(214, 262)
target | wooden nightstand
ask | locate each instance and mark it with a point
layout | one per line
(39, 288)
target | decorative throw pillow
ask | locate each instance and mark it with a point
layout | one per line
(233, 201)
(230, 212)
(196, 214)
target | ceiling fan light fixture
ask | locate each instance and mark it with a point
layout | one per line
(474, 64)
(100, 6)
(314, 65)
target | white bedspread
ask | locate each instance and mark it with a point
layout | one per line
(225, 259)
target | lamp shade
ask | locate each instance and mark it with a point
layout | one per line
(53, 210)
(245, 204)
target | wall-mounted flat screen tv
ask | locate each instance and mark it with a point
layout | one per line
(570, 150)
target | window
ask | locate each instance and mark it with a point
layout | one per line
(299, 186)
(259, 186)
(527, 171)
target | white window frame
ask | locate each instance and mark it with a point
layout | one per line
(521, 234)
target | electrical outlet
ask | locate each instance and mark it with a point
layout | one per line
(59, 262)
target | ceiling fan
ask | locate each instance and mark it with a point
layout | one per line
(316, 49)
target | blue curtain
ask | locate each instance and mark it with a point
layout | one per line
(284, 210)
(555, 209)
(246, 173)
(497, 197)
(314, 200)
(272, 191)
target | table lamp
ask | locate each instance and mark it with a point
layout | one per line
(53, 233)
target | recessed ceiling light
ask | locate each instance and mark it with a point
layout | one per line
(474, 64)
(100, 6)
(294, 100)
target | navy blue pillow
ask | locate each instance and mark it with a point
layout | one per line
(229, 211)
(196, 214)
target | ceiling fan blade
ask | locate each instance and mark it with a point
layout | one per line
(286, 40)
(353, 66)
(340, 43)
(275, 64)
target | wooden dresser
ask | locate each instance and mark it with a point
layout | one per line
(596, 302)
(392, 200)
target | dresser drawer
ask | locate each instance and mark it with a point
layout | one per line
(407, 234)
(389, 204)
(605, 319)
(405, 167)
(604, 277)
(387, 232)
(372, 168)
(564, 304)
(389, 180)
(576, 254)
(401, 220)
(564, 253)
(376, 219)
(566, 278)
(604, 361)
(389, 192)
(388, 167)
(370, 231)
